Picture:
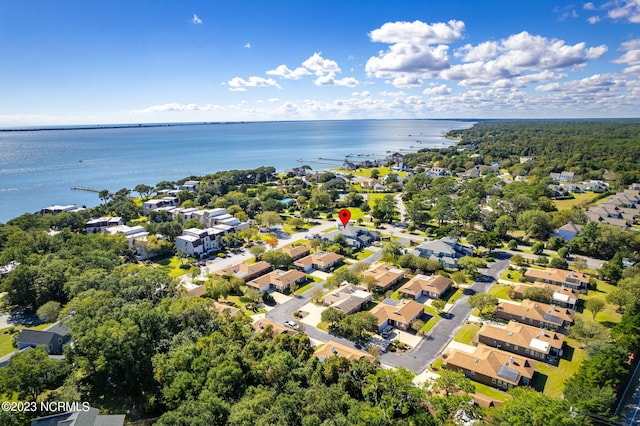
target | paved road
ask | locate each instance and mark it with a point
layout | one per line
(629, 408)
(431, 346)
(442, 333)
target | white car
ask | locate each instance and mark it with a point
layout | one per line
(291, 324)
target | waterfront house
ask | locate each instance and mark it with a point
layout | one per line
(57, 209)
(576, 280)
(157, 203)
(197, 242)
(100, 224)
(81, 416)
(536, 314)
(386, 276)
(433, 287)
(333, 348)
(397, 313)
(246, 271)
(525, 340)
(563, 176)
(189, 185)
(492, 367)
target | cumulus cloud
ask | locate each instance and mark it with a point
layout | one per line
(417, 50)
(628, 10)
(593, 19)
(330, 80)
(196, 19)
(631, 57)
(284, 72)
(247, 46)
(239, 84)
(443, 89)
(515, 56)
(319, 65)
(589, 6)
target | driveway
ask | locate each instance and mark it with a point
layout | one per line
(315, 312)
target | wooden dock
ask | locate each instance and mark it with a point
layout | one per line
(85, 188)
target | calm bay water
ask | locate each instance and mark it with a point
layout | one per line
(38, 168)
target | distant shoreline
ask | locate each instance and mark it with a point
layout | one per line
(203, 123)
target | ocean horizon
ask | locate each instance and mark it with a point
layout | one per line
(40, 164)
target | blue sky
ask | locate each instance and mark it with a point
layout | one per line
(79, 62)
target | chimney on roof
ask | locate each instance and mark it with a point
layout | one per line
(512, 360)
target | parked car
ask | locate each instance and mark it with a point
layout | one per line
(291, 324)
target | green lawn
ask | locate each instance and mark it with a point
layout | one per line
(466, 333)
(324, 326)
(578, 200)
(556, 376)
(374, 196)
(491, 392)
(305, 288)
(429, 324)
(453, 295)
(5, 338)
(501, 291)
(172, 265)
(511, 275)
(608, 314)
(363, 254)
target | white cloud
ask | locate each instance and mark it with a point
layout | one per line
(248, 45)
(417, 32)
(273, 100)
(417, 50)
(196, 19)
(284, 72)
(319, 65)
(589, 6)
(239, 84)
(593, 19)
(330, 80)
(628, 10)
(177, 107)
(631, 57)
(443, 89)
(516, 56)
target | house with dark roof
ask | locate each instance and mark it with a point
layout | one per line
(52, 339)
(568, 232)
(447, 251)
(355, 236)
(81, 417)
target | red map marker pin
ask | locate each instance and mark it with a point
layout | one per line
(344, 215)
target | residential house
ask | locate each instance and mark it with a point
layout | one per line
(102, 223)
(279, 280)
(397, 313)
(80, 417)
(434, 287)
(137, 237)
(333, 348)
(536, 314)
(197, 242)
(386, 276)
(492, 367)
(57, 209)
(189, 185)
(224, 309)
(562, 176)
(354, 236)
(447, 251)
(435, 172)
(320, 261)
(349, 299)
(265, 324)
(526, 160)
(52, 339)
(525, 340)
(296, 252)
(576, 280)
(157, 203)
(246, 271)
(568, 231)
(560, 295)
